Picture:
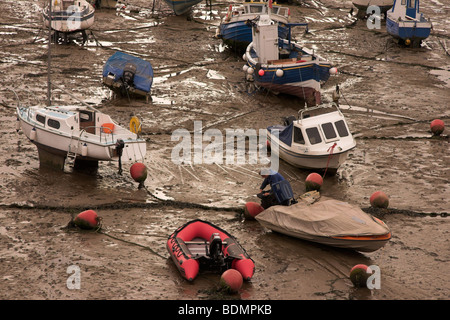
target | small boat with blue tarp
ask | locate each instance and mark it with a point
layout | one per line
(236, 32)
(283, 66)
(407, 23)
(319, 139)
(128, 75)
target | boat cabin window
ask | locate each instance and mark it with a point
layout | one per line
(298, 136)
(40, 118)
(53, 123)
(328, 130)
(256, 9)
(313, 135)
(341, 128)
(283, 12)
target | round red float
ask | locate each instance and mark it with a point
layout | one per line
(359, 275)
(379, 199)
(138, 172)
(87, 220)
(437, 127)
(252, 209)
(231, 280)
(313, 181)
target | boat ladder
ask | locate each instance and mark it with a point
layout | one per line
(69, 161)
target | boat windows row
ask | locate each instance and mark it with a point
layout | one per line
(328, 130)
(257, 8)
(52, 123)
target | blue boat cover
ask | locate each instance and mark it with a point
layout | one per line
(285, 133)
(144, 72)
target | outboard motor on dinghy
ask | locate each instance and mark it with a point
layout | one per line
(215, 247)
(129, 72)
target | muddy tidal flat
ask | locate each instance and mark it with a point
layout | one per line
(391, 94)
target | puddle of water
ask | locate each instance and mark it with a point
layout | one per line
(161, 79)
(212, 74)
(162, 100)
(443, 75)
(159, 193)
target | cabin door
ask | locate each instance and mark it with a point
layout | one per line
(87, 121)
(411, 8)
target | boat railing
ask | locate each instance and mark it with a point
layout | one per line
(25, 113)
(317, 107)
(103, 136)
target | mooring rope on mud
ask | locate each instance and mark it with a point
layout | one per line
(131, 242)
(189, 205)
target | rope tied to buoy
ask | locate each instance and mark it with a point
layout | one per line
(330, 149)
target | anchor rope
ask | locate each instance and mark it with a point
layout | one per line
(329, 157)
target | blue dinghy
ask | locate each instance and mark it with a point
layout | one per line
(128, 75)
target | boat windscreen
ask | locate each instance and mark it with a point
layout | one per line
(298, 136)
(286, 134)
(341, 128)
(329, 131)
(256, 8)
(313, 135)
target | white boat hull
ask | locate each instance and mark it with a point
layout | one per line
(384, 5)
(73, 19)
(88, 144)
(319, 139)
(58, 144)
(301, 159)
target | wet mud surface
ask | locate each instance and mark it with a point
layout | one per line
(392, 93)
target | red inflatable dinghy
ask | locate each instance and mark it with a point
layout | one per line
(201, 244)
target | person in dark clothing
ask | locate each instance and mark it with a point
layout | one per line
(268, 198)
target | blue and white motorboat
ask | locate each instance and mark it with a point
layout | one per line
(180, 7)
(128, 75)
(407, 23)
(237, 33)
(283, 66)
(319, 139)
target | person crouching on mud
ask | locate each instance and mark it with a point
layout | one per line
(268, 198)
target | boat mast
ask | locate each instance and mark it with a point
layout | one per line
(49, 93)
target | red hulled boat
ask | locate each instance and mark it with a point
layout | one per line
(201, 244)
